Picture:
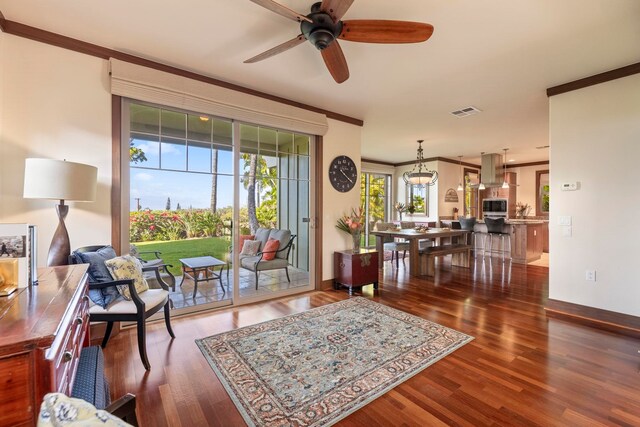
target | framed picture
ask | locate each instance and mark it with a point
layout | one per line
(15, 250)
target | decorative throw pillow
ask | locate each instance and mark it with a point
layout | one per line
(98, 273)
(244, 238)
(127, 267)
(59, 410)
(250, 247)
(270, 249)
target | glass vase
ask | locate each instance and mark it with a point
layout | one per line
(355, 235)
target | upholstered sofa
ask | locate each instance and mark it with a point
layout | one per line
(257, 263)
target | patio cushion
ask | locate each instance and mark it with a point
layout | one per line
(250, 247)
(250, 262)
(152, 298)
(283, 237)
(244, 238)
(270, 249)
(262, 235)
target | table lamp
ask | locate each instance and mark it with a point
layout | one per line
(59, 180)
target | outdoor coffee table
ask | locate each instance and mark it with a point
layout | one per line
(202, 269)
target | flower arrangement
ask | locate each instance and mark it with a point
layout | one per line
(352, 223)
(522, 209)
(411, 208)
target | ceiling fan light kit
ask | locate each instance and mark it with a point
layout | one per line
(323, 26)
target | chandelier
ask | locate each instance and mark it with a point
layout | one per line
(422, 176)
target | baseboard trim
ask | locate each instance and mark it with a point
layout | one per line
(325, 285)
(611, 321)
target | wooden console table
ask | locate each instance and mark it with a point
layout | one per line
(43, 330)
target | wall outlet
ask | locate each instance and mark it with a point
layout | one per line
(590, 275)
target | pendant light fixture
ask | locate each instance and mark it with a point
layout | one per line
(422, 176)
(460, 187)
(505, 184)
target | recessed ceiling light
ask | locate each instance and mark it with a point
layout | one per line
(511, 160)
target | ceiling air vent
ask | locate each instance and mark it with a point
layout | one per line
(466, 111)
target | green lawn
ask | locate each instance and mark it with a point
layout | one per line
(172, 251)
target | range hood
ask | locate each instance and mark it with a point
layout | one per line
(492, 172)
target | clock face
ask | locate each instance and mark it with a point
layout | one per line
(343, 173)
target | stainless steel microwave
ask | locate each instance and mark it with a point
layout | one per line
(495, 207)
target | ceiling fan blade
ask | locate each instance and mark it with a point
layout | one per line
(281, 10)
(335, 61)
(381, 31)
(276, 50)
(336, 8)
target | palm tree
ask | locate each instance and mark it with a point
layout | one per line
(214, 180)
(251, 193)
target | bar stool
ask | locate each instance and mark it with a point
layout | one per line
(495, 227)
(467, 224)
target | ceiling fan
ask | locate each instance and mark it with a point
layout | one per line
(323, 26)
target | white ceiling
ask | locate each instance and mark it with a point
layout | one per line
(497, 55)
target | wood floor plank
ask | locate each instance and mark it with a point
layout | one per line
(522, 368)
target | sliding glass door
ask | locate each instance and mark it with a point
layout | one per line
(199, 186)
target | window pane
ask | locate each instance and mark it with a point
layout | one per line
(248, 139)
(173, 154)
(199, 156)
(302, 144)
(285, 142)
(225, 159)
(303, 167)
(149, 146)
(267, 138)
(145, 119)
(174, 124)
(199, 128)
(222, 132)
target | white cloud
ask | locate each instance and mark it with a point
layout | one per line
(141, 176)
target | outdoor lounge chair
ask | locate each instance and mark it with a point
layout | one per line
(257, 263)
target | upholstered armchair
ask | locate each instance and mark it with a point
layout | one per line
(110, 306)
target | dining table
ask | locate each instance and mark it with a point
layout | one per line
(413, 236)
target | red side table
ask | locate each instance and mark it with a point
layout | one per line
(355, 269)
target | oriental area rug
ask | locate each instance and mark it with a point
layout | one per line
(316, 367)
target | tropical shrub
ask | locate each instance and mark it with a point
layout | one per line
(148, 225)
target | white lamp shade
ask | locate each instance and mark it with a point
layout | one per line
(59, 180)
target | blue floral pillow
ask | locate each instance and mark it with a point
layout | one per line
(98, 273)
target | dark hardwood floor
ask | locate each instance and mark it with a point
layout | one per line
(522, 368)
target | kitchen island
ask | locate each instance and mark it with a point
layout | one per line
(527, 239)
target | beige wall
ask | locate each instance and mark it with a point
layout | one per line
(341, 139)
(595, 140)
(449, 176)
(55, 104)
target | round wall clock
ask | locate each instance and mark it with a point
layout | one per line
(343, 173)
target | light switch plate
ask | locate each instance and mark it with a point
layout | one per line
(564, 220)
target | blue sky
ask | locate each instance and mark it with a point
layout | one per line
(153, 186)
